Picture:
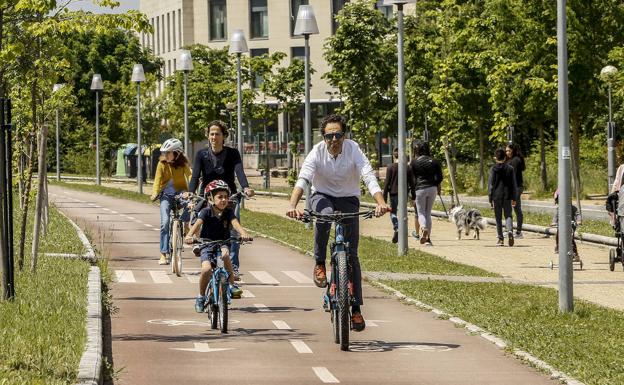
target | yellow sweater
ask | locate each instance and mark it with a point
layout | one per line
(165, 172)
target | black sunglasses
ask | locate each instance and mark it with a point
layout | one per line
(331, 136)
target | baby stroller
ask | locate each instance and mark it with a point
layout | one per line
(615, 207)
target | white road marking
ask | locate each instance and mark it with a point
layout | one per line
(105, 209)
(147, 225)
(261, 307)
(156, 229)
(201, 347)
(159, 276)
(138, 221)
(281, 325)
(300, 346)
(264, 277)
(375, 322)
(125, 276)
(371, 323)
(114, 212)
(298, 276)
(325, 375)
(247, 294)
(133, 218)
(96, 206)
(195, 279)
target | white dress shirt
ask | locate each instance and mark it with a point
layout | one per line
(339, 176)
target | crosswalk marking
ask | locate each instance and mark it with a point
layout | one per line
(264, 277)
(114, 212)
(147, 225)
(247, 294)
(159, 276)
(195, 279)
(281, 325)
(156, 229)
(129, 217)
(325, 375)
(298, 276)
(261, 307)
(300, 346)
(124, 276)
(105, 209)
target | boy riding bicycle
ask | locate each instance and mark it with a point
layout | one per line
(214, 223)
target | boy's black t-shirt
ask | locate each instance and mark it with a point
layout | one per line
(213, 227)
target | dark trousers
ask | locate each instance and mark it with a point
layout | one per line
(500, 207)
(518, 210)
(326, 204)
(394, 203)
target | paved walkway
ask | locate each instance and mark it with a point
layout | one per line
(528, 261)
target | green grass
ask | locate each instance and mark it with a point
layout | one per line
(110, 191)
(374, 254)
(586, 344)
(42, 331)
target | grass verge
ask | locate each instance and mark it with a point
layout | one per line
(374, 254)
(42, 331)
(110, 191)
(586, 344)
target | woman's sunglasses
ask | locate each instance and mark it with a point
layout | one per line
(331, 136)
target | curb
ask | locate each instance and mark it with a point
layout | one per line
(90, 254)
(90, 369)
(525, 356)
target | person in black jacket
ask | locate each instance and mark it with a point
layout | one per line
(217, 161)
(502, 193)
(392, 188)
(427, 179)
(516, 161)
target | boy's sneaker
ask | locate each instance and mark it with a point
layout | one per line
(395, 237)
(196, 250)
(518, 235)
(500, 242)
(511, 239)
(200, 302)
(415, 234)
(428, 243)
(236, 273)
(236, 291)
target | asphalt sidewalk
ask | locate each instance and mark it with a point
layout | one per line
(527, 261)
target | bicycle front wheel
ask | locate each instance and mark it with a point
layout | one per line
(342, 288)
(176, 248)
(223, 305)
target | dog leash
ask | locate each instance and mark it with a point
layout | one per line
(443, 206)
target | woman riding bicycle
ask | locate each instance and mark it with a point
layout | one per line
(171, 179)
(219, 162)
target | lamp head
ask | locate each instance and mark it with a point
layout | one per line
(96, 83)
(306, 21)
(238, 44)
(137, 73)
(608, 73)
(186, 61)
(398, 2)
(57, 87)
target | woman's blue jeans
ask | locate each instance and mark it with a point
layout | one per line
(166, 203)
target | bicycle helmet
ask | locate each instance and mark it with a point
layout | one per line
(172, 144)
(217, 185)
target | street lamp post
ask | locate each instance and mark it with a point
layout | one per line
(607, 74)
(138, 76)
(97, 86)
(238, 45)
(306, 26)
(402, 206)
(56, 88)
(186, 65)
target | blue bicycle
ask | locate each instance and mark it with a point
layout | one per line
(218, 292)
(339, 296)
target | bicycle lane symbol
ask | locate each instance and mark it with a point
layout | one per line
(173, 322)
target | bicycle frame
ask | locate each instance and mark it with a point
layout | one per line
(218, 272)
(336, 247)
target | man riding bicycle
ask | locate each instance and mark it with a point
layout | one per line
(333, 168)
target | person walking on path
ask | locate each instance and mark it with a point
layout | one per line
(502, 192)
(427, 178)
(220, 162)
(172, 175)
(516, 161)
(392, 188)
(334, 168)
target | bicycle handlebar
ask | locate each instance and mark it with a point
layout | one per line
(335, 217)
(209, 242)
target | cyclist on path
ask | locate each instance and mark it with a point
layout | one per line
(172, 175)
(218, 161)
(334, 168)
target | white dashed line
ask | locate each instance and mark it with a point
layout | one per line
(247, 294)
(298, 276)
(105, 209)
(261, 307)
(195, 279)
(281, 325)
(147, 225)
(114, 212)
(159, 276)
(138, 221)
(300, 346)
(124, 276)
(156, 229)
(133, 218)
(264, 277)
(325, 375)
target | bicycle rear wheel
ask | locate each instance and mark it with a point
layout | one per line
(176, 248)
(223, 305)
(343, 299)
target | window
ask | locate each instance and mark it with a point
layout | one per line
(385, 10)
(164, 34)
(297, 53)
(174, 65)
(168, 32)
(337, 6)
(181, 40)
(259, 18)
(294, 9)
(218, 20)
(257, 80)
(157, 31)
(173, 28)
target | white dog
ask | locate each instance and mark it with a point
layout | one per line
(466, 221)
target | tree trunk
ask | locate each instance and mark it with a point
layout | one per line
(576, 172)
(40, 196)
(45, 215)
(481, 158)
(451, 167)
(26, 200)
(543, 170)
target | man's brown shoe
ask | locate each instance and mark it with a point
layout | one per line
(357, 322)
(320, 276)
